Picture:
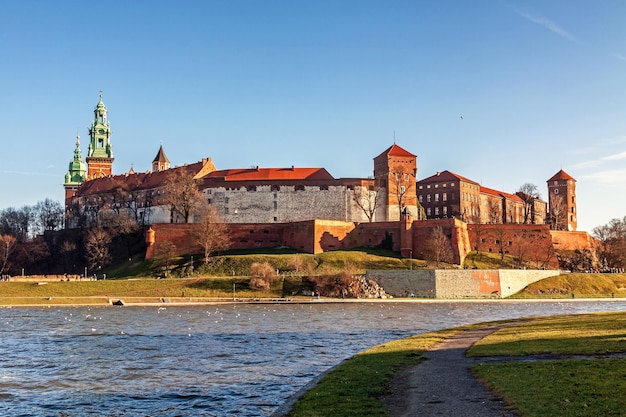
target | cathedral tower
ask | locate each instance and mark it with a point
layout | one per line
(75, 175)
(562, 201)
(100, 154)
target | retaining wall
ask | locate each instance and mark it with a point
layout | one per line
(459, 283)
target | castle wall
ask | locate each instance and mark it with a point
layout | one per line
(530, 243)
(573, 240)
(454, 229)
(458, 283)
(285, 203)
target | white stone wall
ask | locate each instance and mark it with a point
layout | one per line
(513, 280)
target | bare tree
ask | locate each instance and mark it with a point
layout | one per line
(522, 245)
(97, 252)
(211, 232)
(7, 244)
(16, 222)
(48, 215)
(367, 200)
(438, 247)
(499, 233)
(528, 193)
(181, 194)
(263, 274)
(165, 251)
(613, 238)
(558, 213)
(67, 249)
(495, 212)
(401, 185)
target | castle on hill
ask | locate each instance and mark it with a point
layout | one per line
(292, 194)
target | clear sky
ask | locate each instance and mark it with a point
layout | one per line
(501, 92)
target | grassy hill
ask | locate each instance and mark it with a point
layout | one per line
(238, 263)
(581, 285)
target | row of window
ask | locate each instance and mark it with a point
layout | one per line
(444, 211)
(444, 185)
(444, 197)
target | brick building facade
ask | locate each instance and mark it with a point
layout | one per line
(447, 194)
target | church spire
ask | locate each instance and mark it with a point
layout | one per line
(160, 162)
(76, 172)
(75, 175)
(100, 152)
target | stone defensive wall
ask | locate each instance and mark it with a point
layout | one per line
(563, 240)
(460, 283)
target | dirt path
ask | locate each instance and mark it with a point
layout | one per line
(443, 385)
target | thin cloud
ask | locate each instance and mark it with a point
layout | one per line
(594, 163)
(614, 176)
(587, 164)
(616, 157)
(620, 57)
(548, 24)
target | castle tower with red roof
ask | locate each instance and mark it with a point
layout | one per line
(395, 172)
(562, 201)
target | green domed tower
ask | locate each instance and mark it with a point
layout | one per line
(75, 175)
(100, 153)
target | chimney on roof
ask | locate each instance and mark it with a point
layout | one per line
(438, 173)
(293, 167)
(257, 167)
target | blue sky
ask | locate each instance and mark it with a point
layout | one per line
(502, 92)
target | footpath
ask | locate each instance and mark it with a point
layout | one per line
(443, 385)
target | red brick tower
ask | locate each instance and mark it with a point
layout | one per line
(562, 201)
(395, 172)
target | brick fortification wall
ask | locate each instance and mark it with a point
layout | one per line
(457, 283)
(530, 242)
(316, 236)
(455, 230)
(573, 240)
(242, 236)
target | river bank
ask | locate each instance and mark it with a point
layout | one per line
(5, 302)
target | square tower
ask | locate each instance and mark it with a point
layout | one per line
(395, 172)
(562, 202)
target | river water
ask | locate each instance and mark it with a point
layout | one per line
(226, 360)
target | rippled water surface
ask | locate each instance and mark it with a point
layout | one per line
(228, 360)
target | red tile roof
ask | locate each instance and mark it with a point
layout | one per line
(395, 150)
(498, 193)
(132, 181)
(150, 180)
(271, 174)
(561, 175)
(446, 176)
